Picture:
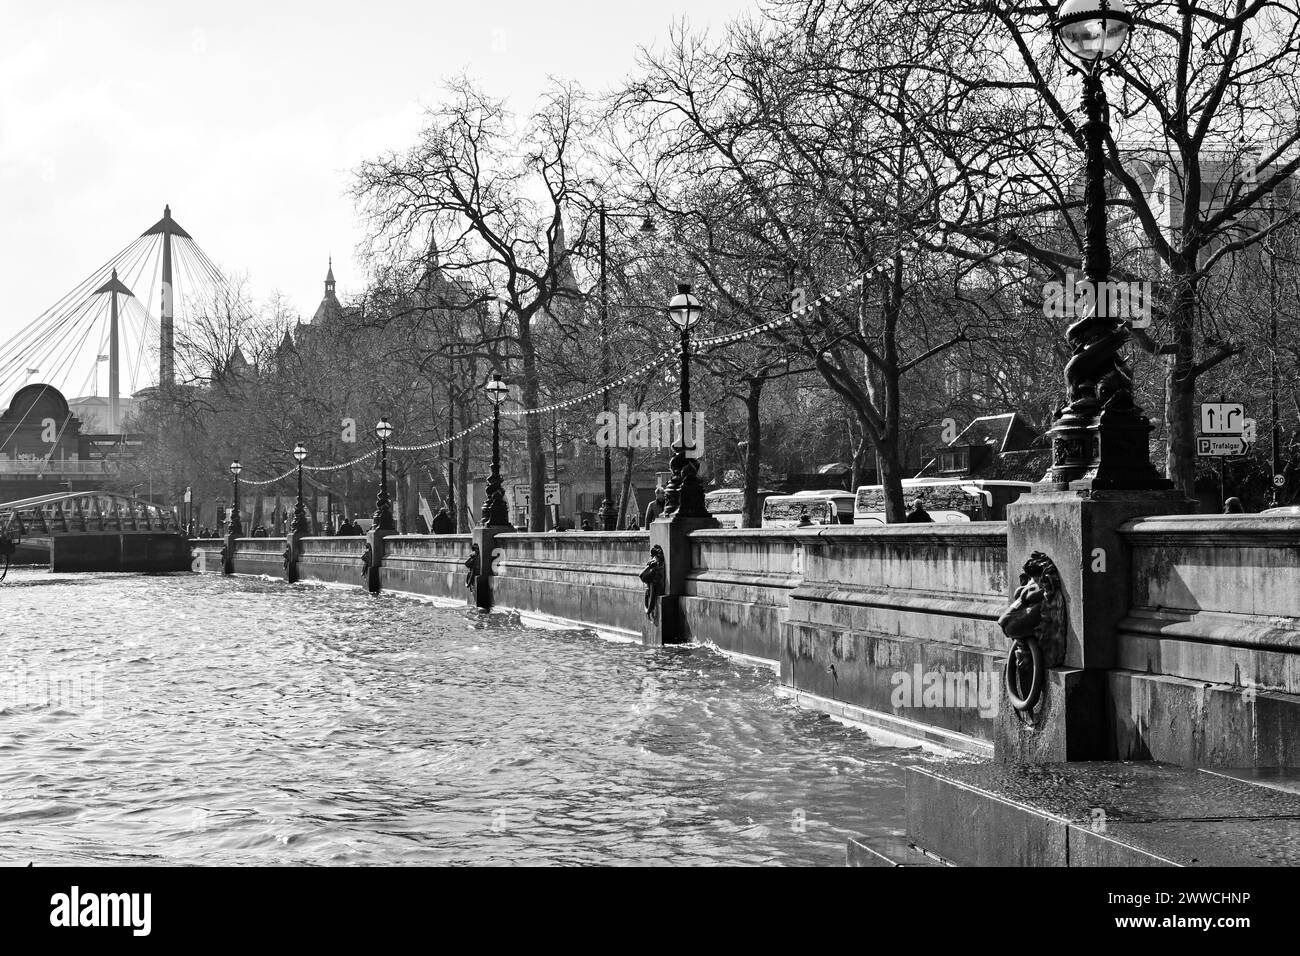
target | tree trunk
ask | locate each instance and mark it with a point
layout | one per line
(860, 448)
(1180, 394)
(891, 480)
(452, 504)
(533, 431)
(753, 509)
(463, 515)
(628, 455)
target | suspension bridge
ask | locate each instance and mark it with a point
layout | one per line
(61, 457)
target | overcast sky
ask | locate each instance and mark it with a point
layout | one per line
(247, 117)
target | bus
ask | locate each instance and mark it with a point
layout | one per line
(728, 504)
(946, 500)
(823, 507)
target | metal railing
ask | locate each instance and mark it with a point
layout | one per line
(39, 466)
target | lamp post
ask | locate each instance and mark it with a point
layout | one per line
(383, 506)
(685, 494)
(494, 503)
(299, 528)
(608, 513)
(1100, 436)
(608, 516)
(236, 525)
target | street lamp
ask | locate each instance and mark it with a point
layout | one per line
(383, 506)
(494, 503)
(685, 494)
(299, 513)
(236, 525)
(1100, 435)
(1092, 31)
(608, 514)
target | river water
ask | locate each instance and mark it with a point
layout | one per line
(190, 719)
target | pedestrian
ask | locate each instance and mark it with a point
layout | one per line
(655, 508)
(632, 524)
(804, 520)
(586, 524)
(443, 523)
(918, 514)
(1233, 506)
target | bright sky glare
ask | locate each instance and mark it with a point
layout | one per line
(247, 117)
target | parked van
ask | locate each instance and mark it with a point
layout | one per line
(823, 507)
(728, 504)
(946, 500)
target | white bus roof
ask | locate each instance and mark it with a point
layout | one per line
(936, 482)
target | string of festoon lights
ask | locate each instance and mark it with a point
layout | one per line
(880, 266)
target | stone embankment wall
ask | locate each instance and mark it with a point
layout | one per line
(1208, 669)
(847, 615)
(896, 626)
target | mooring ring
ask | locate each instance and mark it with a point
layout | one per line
(1036, 683)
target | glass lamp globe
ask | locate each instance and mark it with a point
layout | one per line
(497, 389)
(684, 309)
(1092, 31)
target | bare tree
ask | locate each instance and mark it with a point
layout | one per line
(1202, 133)
(493, 198)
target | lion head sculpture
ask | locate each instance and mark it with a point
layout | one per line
(1037, 609)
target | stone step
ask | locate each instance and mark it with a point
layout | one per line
(888, 851)
(1102, 814)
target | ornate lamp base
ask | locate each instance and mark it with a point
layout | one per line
(1106, 452)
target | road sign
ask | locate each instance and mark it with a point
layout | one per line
(1220, 446)
(1222, 418)
(1279, 481)
(552, 492)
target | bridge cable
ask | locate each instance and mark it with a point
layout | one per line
(51, 320)
(60, 320)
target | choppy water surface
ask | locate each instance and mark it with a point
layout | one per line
(202, 720)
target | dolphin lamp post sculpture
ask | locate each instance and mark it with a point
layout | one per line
(685, 496)
(1100, 434)
(494, 504)
(234, 528)
(236, 523)
(299, 512)
(383, 504)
